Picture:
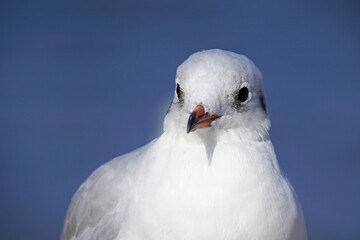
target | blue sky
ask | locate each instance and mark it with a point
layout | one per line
(84, 81)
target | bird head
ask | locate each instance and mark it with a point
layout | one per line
(218, 91)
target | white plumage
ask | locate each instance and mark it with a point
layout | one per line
(217, 182)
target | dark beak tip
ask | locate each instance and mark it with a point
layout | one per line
(191, 122)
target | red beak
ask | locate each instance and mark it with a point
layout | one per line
(199, 119)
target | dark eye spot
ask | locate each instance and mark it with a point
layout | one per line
(179, 93)
(243, 94)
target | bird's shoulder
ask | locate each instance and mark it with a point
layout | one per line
(97, 198)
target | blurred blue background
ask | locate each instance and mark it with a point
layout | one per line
(84, 81)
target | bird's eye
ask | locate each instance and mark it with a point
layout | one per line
(179, 92)
(243, 94)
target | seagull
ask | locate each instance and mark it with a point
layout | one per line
(212, 174)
